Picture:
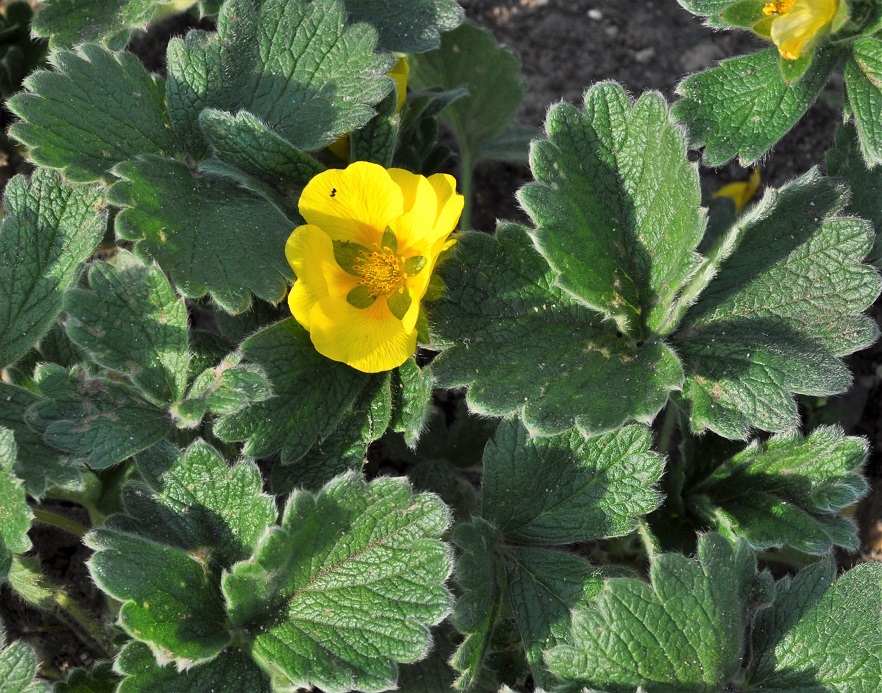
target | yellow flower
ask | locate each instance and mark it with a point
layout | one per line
(364, 259)
(741, 192)
(795, 23)
(399, 73)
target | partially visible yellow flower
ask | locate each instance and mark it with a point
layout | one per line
(364, 259)
(399, 73)
(741, 192)
(795, 23)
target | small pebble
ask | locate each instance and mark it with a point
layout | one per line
(595, 14)
(645, 55)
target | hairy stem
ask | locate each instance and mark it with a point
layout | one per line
(50, 518)
(650, 543)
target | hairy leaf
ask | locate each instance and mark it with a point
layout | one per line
(681, 633)
(50, 229)
(524, 345)
(863, 80)
(312, 394)
(407, 26)
(788, 491)
(568, 488)
(743, 106)
(97, 109)
(100, 420)
(18, 667)
(345, 587)
(616, 205)
(71, 22)
(821, 635)
(781, 312)
(412, 395)
(15, 514)
(99, 679)
(213, 236)
(132, 322)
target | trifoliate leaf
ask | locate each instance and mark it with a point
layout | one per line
(787, 491)
(781, 312)
(15, 514)
(345, 449)
(480, 574)
(568, 488)
(407, 26)
(190, 520)
(37, 464)
(616, 205)
(99, 679)
(232, 671)
(101, 420)
(225, 389)
(312, 394)
(545, 587)
(524, 345)
(97, 109)
(470, 57)
(295, 66)
(345, 587)
(70, 22)
(50, 229)
(18, 667)
(863, 80)
(821, 635)
(743, 106)
(209, 233)
(845, 160)
(681, 633)
(132, 322)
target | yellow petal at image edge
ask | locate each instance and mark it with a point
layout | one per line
(369, 339)
(353, 204)
(310, 252)
(806, 18)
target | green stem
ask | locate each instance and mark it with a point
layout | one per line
(668, 427)
(466, 177)
(50, 518)
(87, 630)
(650, 543)
(708, 270)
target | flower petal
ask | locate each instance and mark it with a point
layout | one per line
(805, 19)
(353, 204)
(368, 339)
(310, 252)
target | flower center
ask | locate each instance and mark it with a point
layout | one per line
(382, 271)
(777, 7)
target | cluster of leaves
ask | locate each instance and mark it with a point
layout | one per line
(163, 388)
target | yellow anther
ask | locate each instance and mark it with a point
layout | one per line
(777, 7)
(382, 271)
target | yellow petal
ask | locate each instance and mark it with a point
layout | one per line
(353, 204)
(310, 252)
(450, 203)
(399, 73)
(791, 32)
(368, 339)
(741, 192)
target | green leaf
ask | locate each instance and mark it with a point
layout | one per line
(616, 206)
(524, 345)
(132, 322)
(38, 465)
(70, 22)
(470, 57)
(545, 587)
(230, 672)
(412, 393)
(225, 389)
(323, 391)
(863, 80)
(681, 633)
(191, 520)
(788, 491)
(480, 575)
(50, 229)
(99, 679)
(783, 309)
(18, 667)
(214, 237)
(101, 420)
(710, 9)
(407, 26)
(345, 587)
(376, 141)
(821, 635)
(845, 160)
(296, 66)
(97, 109)
(15, 514)
(743, 106)
(432, 674)
(511, 145)
(345, 449)
(568, 488)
